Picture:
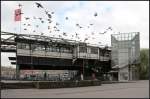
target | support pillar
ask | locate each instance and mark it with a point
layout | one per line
(93, 76)
(17, 72)
(82, 77)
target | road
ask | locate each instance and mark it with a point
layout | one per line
(138, 89)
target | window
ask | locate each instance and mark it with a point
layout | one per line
(66, 49)
(37, 47)
(49, 48)
(94, 50)
(23, 46)
(82, 49)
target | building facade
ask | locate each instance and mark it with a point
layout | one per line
(125, 55)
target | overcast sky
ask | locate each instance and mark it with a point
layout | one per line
(122, 16)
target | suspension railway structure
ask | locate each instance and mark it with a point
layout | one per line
(37, 52)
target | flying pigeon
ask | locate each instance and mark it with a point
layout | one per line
(95, 14)
(50, 22)
(48, 19)
(110, 28)
(34, 17)
(77, 24)
(57, 30)
(27, 18)
(29, 24)
(64, 34)
(39, 5)
(20, 5)
(37, 26)
(42, 33)
(76, 34)
(48, 27)
(42, 21)
(52, 12)
(49, 15)
(85, 39)
(57, 23)
(55, 27)
(25, 29)
(59, 36)
(80, 27)
(66, 18)
(46, 12)
(92, 33)
(102, 33)
(91, 24)
(40, 18)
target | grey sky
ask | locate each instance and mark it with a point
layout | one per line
(122, 16)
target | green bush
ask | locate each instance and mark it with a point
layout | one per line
(143, 68)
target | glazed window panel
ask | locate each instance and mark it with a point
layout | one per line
(23, 46)
(82, 49)
(94, 50)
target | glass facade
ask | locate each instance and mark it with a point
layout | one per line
(39, 47)
(125, 48)
(125, 54)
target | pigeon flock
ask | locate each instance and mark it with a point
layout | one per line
(55, 28)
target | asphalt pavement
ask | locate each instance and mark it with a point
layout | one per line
(138, 89)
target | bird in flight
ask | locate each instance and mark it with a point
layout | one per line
(57, 23)
(103, 32)
(27, 18)
(66, 18)
(39, 5)
(85, 39)
(42, 33)
(40, 18)
(80, 27)
(29, 24)
(95, 14)
(46, 12)
(20, 5)
(77, 24)
(37, 26)
(42, 21)
(48, 27)
(110, 28)
(49, 15)
(34, 17)
(25, 29)
(52, 12)
(64, 34)
(92, 33)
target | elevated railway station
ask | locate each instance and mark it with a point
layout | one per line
(36, 52)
